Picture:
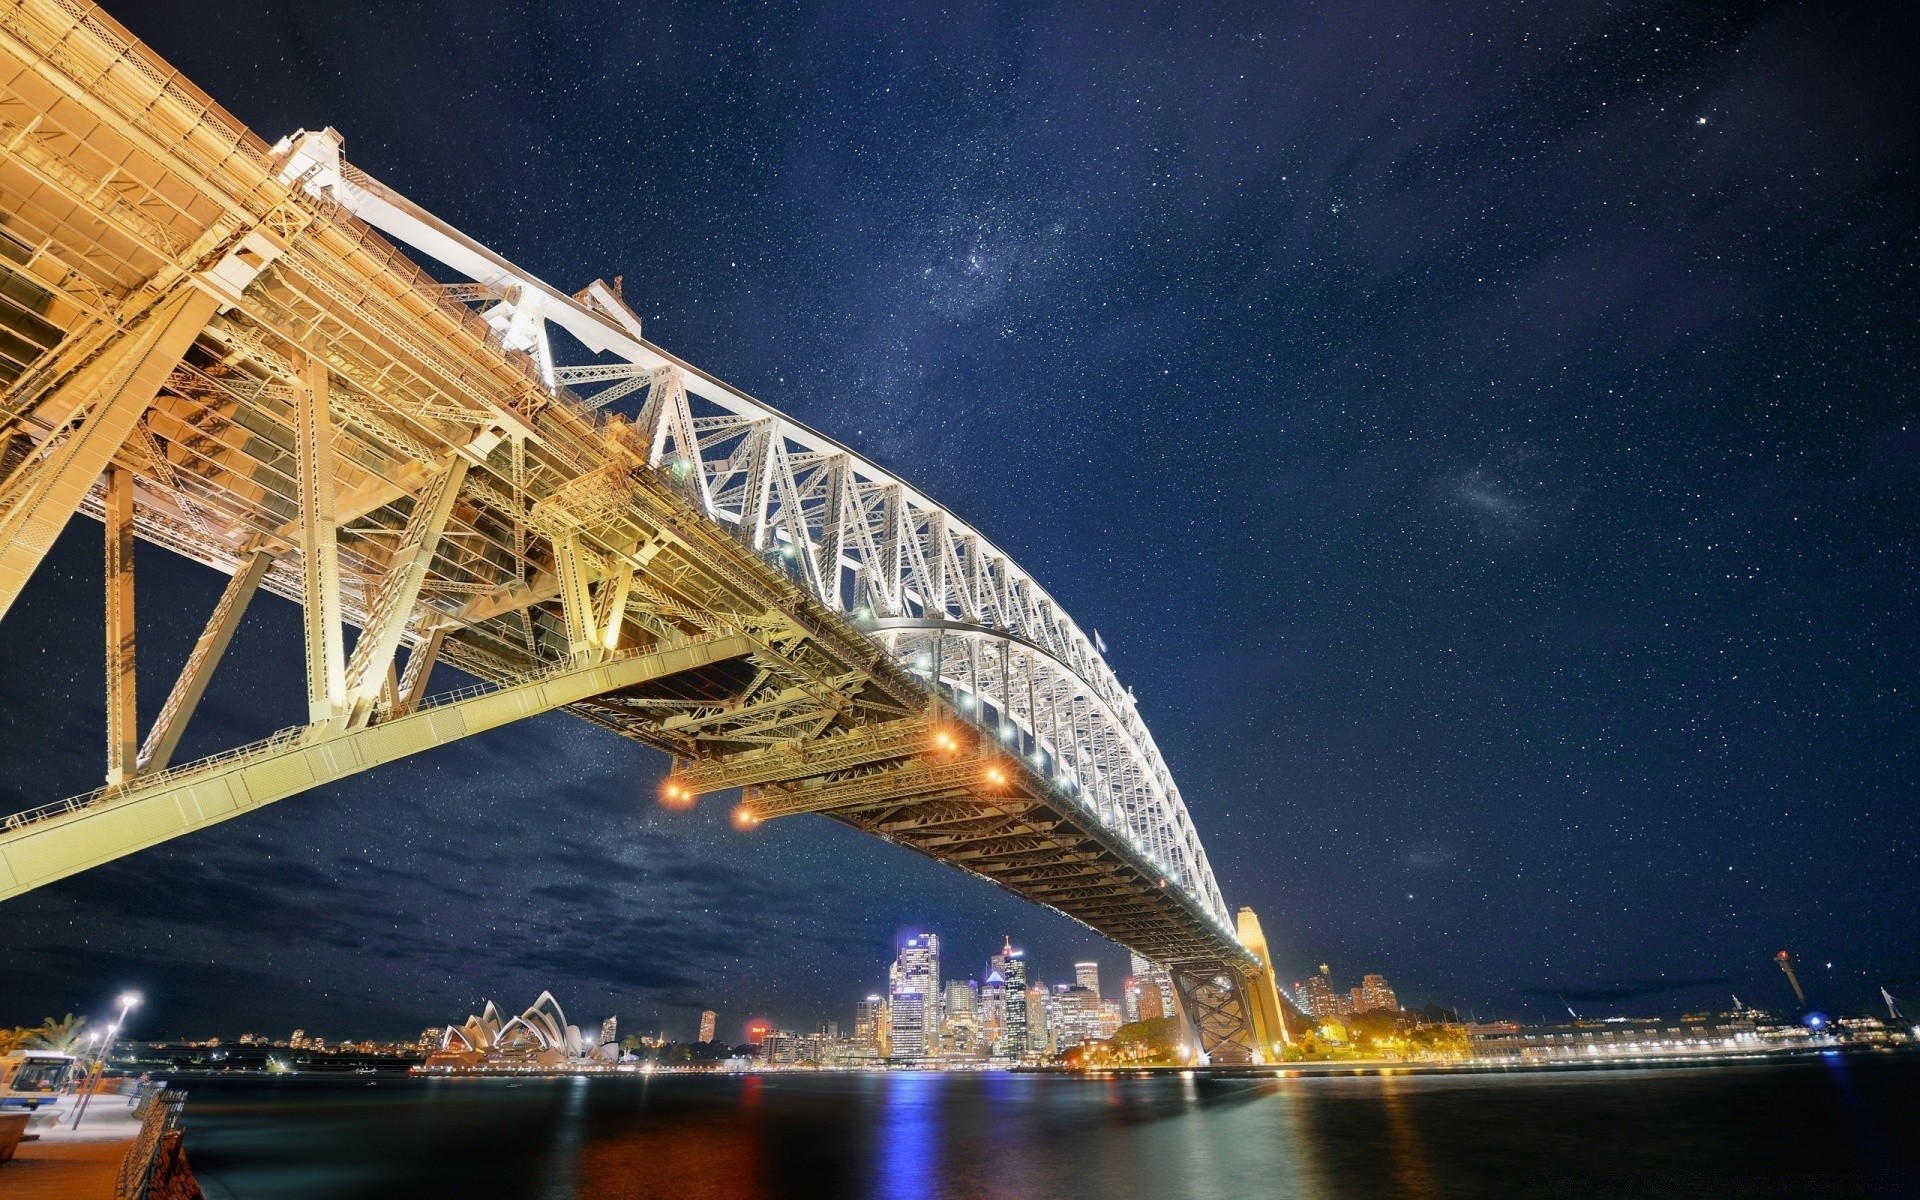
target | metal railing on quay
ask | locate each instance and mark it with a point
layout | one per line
(164, 1113)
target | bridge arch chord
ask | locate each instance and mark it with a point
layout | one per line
(863, 541)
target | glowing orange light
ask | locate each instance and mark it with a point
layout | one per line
(676, 795)
(996, 776)
(745, 818)
(945, 741)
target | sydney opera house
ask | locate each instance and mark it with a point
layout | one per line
(538, 1037)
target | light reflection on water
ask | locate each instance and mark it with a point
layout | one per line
(1847, 1128)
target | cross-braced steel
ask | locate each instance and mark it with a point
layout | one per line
(215, 345)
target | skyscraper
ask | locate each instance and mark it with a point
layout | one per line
(914, 997)
(1087, 975)
(1322, 1000)
(1375, 994)
(1154, 979)
(1011, 966)
(708, 1020)
(610, 1031)
(960, 1025)
(870, 1027)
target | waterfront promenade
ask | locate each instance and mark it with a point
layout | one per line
(68, 1164)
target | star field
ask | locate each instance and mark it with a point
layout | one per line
(1485, 435)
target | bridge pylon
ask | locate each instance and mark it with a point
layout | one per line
(1233, 1009)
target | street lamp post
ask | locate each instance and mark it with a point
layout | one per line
(128, 1001)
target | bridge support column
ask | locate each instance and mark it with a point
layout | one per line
(111, 390)
(319, 547)
(123, 714)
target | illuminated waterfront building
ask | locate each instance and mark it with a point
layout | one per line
(1158, 982)
(540, 1036)
(299, 1040)
(1321, 1000)
(960, 1021)
(708, 1020)
(992, 1010)
(1130, 1000)
(610, 1032)
(1087, 975)
(913, 1001)
(869, 1026)
(1011, 966)
(1375, 994)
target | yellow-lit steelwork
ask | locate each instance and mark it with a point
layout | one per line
(208, 346)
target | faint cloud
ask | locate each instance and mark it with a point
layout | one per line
(1517, 497)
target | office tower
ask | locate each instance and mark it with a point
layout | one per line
(1111, 1019)
(610, 1030)
(960, 1027)
(299, 1039)
(757, 1033)
(1087, 975)
(1039, 1024)
(992, 1010)
(1155, 979)
(914, 997)
(870, 1027)
(1322, 1000)
(1375, 994)
(1012, 966)
(708, 1020)
(1130, 1001)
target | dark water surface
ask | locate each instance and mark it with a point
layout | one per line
(1828, 1126)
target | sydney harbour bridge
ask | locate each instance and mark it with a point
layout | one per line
(219, 345)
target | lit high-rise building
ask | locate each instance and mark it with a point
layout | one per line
(610, 1031)
(1155, 979)
(299, 1039)
(1130, 1000)
(708, 1020)
(913, 1003)
(1011, 966)
(1375, 994)
(1322, 1000)
(960, 1023)
(1087, 975)
(992, 1010)
(870, 1027)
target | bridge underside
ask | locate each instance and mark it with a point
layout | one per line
(198, 352)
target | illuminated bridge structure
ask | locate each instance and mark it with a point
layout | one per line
(216, 345)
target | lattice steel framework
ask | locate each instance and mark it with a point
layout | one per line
(211, 343)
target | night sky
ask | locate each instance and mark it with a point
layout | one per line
(1485, 436)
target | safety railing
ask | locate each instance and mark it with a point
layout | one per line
(163, 1115)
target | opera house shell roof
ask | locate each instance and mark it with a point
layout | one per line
(538, 1037)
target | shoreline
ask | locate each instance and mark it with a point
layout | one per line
(1263, 1071)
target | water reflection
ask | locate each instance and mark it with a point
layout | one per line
(1845, 1129)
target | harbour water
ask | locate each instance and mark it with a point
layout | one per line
(1823, 1126)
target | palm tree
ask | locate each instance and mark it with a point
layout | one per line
(14, 1038)
(62, 1036)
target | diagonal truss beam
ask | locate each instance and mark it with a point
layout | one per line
(380, 640)
(38, 848)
